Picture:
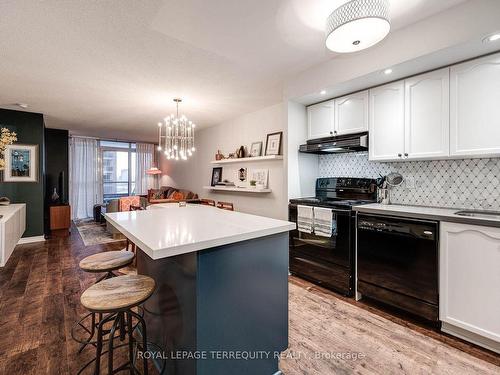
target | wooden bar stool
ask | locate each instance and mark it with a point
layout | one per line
(207, 202)
(115, 298)
(106, 262)
(225, 206)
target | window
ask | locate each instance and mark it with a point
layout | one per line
(118, 169)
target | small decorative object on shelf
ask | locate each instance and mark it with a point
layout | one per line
(240, 153)
(260, 176)
(273, 143)
(242, 174)
(21, 163)
(253, 183)
(219, 155)
(256, 149)
(216, 176)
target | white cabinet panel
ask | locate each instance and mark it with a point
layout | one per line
(387, 122)
(475, 107)
(470, 278)
(427, 115)
(320, 120)
(351, 113)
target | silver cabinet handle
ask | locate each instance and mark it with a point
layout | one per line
(428, 232)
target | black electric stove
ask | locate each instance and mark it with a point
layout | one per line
(329, 261)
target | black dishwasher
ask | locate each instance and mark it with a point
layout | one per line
(397, 263)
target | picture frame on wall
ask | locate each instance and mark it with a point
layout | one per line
(256, 149)
(216, 176)
(260, 176)
(273, 143)
(21, 163)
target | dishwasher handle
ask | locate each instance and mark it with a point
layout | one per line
(404, 228)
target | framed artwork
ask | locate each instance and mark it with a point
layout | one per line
(273, 143)
(256, 149)
(260, 176)
(216, 176)
(21, 163)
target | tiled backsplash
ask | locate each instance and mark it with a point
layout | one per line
(464, 183)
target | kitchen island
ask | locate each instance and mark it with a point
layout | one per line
(221, 303)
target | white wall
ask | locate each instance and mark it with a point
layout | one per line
(227, 137)
(302, 168)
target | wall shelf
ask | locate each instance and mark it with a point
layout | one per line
(246, 160)
(237, 189)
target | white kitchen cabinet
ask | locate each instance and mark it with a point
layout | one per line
(387, 137)
(320, 120)
(469, 298)
(351, 114)
(409, 120)
(427, 115)
(475, 107)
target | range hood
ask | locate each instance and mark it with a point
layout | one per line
(334, 145)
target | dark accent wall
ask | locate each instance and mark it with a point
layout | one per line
(30, 130)
(56, 169)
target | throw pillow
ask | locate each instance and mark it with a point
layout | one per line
(157, 194)
(177, 196)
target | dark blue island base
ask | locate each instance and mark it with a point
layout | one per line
(220, 311)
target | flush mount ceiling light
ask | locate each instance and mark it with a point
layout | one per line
(388, 71)
(357, 25)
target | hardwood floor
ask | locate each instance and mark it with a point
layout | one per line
(40, 291)
(327, 332)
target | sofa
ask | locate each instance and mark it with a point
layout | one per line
(168, 194)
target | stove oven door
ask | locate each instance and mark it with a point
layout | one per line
(327, 261)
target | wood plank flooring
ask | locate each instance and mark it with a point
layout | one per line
(40, 291)
(330, 334)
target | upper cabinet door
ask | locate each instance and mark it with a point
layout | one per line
(427, 115)
(387, 135)
(475, 107)
(351, 113)
(320, 120)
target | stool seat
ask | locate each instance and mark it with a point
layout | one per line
(118, 293)
(107, 261)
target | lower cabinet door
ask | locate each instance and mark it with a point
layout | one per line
(470, 278)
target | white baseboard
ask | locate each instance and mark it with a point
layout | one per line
(31, 239)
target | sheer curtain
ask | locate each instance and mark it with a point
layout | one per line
(85, 186)
(144, 161)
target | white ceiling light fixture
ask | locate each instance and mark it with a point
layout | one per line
(322, 92)
(388, 71)
(492, 38)
(357, 25)
(176, 136)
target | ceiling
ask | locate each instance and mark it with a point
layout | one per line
(111, 68)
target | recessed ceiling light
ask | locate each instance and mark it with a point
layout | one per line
(22, 105)
(322, 92)
(356, 25)
(388, 71)
(492, 38)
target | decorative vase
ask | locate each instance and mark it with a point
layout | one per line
(54, 196)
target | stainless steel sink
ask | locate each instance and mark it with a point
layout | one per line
(492, 215)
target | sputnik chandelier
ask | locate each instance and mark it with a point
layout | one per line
(176, 136)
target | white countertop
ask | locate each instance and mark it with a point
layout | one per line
(8, 211)
(166, 229)
(422, 212)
